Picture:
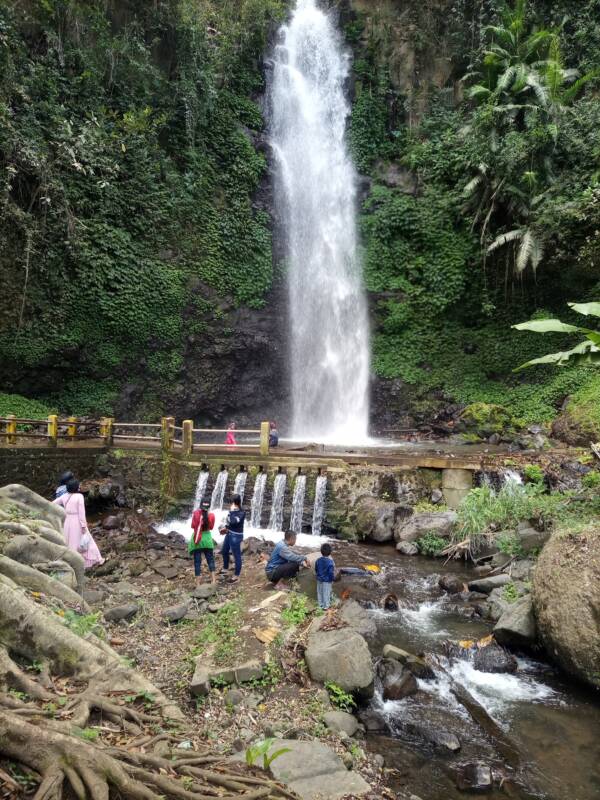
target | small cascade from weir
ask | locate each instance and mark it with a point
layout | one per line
(218, 493)
(257, 499)
(203, 476)
(276, 518)
(239, 486)
(298, 504)
(319, 507)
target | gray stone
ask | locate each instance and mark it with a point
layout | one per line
(125, 588)
(418, 666)
(440, 523)
(436, 496)
(313, 770)
(175, 613)
(204, 591)
(497, 604)
(530, 539)
(446, 740)
(516, 627)
(170, 572)
(451, 584)
(398, 682)
(214, 607)
(341, 656)
(377, 519)
(357, 618)
(521, 570)
(374, 721)
(494, 659)
(407, 548)
(94, 596)
(200, 684)
(474, 777)
(233, 697)
(112, 523)
(137, 566)
(117, 613)
(341, 722)
(486, 585)
(106, 568)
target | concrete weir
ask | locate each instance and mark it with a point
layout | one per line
(168, 480)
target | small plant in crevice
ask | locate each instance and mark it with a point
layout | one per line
(591, 480)
(339, 697)
(255, 751)
(430, 544)
(533, 473)
(510, 593)
(297, 609)
(509, 544)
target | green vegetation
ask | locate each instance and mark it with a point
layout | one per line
(533, 473)
(255, 751)
(296, 610)
(510, 593)
(23, 407)
(586, 352)
(220, 630)
(83, 624)
(468, 196)
(340, 699)
(127, 176)
(591, 480)
(510, 544)
(431, 545)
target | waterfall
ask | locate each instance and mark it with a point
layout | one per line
(218, 493)
(316, 187)
(257, 499)
(319, 508)
(298, 504)
(200, 488)
(239, 485)
(276, 518)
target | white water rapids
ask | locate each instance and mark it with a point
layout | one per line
(316, 188)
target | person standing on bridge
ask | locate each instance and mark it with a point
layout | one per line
(77, 534)
(230, 438)
(234, 536)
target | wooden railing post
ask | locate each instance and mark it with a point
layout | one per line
(187, 437)
(11, 429)
(166, 433)
(264, 438)
(52, 430)
(107, 430)
(72, 428)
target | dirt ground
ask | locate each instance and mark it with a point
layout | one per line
(243, 621)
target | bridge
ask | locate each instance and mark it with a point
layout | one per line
(192, 443)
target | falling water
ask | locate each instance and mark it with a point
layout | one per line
(257, 499)
(276, 518)
(218, 493)
(316, 183)
(239, 486)
(200, 488)
(298, 504)
(319, 508)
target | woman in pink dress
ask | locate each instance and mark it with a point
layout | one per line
(76, 530)
(230, 438)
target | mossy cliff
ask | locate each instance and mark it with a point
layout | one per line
(136, 213)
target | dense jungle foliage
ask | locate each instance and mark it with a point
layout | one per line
(484, 205)
(131, 158)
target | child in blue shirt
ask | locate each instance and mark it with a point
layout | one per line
(325, 571)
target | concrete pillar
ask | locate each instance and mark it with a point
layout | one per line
(456, 485)
(11, 429)
(108, 430)
(166, 432)
(72, 428)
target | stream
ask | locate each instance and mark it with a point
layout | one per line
(554, 724)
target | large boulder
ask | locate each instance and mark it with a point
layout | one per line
(357, 618)
(342, 657)
(531, 539)
(486, 585)
(440, 523)
(494, 658)
(341, 722)
(397, 682)
(516, 627)
(566, 597)
(377, 519)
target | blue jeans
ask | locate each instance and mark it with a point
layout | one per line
(324, 594)
(233, 544)
(210, 560)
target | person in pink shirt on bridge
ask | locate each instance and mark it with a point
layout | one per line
(230, 438)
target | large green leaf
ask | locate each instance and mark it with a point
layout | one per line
(548, 326)
(587, 309)
(584, 353)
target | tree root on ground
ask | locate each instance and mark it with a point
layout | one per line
(73, 715)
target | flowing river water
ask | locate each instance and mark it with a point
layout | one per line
(554, 724)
